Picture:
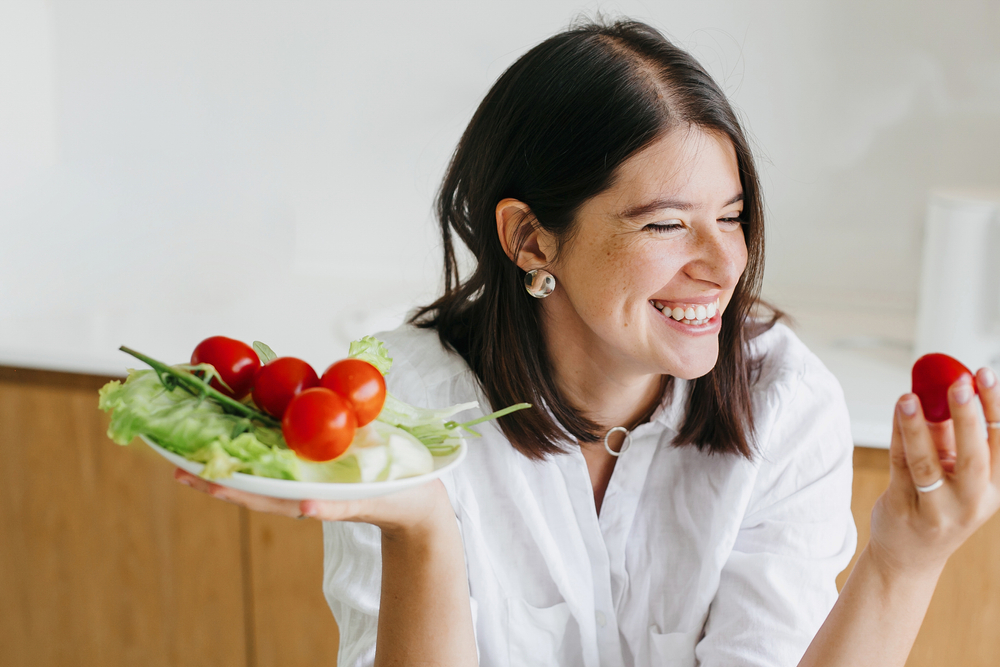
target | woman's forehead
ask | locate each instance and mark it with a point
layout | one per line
(688, 167)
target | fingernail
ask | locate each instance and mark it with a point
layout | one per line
(963, 392)
(987, 377)
(185, 482)
(909, 406)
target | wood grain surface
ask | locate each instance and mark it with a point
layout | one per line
(293, 625)
(105, 560)
(962, 623)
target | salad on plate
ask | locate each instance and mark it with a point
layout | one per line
(242, 417)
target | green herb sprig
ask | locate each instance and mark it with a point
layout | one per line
(172, 377)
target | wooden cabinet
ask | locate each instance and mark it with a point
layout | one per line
(960, 627)
(106, 561)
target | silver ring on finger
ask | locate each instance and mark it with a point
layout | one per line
(992, 424)
(930, 487)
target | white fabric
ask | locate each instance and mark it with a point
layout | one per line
(695, 559)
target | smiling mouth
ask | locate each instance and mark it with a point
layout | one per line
(693, 314)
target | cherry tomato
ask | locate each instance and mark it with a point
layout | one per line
(360, 383)
(932, 375)
(319, 424)
(279, 381)
(235, 361)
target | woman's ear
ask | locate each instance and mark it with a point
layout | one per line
(537, 249)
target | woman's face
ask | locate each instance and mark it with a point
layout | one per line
(646, 278)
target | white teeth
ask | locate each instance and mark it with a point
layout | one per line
(693, 315)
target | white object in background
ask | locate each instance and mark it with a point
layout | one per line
(959, 309)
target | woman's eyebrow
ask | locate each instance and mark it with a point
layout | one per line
(668, 203)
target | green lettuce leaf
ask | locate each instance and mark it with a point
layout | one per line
(427, 425)
(372, 350)
(194, 427)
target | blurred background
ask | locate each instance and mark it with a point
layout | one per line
(266, 170)
(171, 170)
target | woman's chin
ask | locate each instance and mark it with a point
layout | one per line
(694, 365)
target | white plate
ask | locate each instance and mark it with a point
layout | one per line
(283, 488)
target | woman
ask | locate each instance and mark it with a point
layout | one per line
(681, 495)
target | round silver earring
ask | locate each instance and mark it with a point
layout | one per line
(539, 283)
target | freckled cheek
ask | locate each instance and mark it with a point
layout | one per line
(590, 278)
(611, 282)
(655, 272)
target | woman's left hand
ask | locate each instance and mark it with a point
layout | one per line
(916, 531)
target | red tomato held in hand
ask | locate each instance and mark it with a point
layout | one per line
(279, 381)
(235, 361)
(932, 375)
(319, 424)
(360, 383)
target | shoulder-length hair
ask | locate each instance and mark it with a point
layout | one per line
(551, 133)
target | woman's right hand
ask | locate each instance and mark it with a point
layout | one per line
(913, 531)
(424, 614)
(415, 508)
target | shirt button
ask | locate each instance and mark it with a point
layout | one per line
(601, 620)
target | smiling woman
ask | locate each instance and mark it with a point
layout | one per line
(626, 147)
(680, 494)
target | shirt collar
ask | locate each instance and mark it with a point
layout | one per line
(670, 412)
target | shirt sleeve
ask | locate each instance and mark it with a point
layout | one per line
(352, 584)
(798, 533)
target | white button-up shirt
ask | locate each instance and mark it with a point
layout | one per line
(695, 559)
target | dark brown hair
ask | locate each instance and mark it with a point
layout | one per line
(552, 133)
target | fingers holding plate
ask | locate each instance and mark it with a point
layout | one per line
(252, 501)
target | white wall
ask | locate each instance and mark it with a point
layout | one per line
(171, 170)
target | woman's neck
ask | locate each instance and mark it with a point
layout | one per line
(598, 385)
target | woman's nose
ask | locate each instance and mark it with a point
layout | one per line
(719, 257)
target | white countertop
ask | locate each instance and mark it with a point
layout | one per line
(870, 352)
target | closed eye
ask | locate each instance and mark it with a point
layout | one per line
(663, 226)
